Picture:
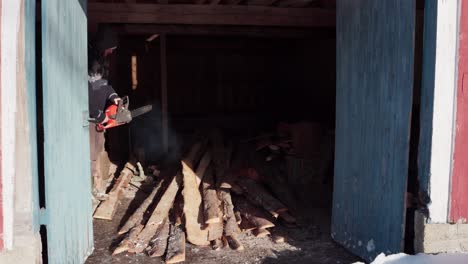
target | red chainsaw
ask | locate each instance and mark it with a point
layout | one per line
(118, 114)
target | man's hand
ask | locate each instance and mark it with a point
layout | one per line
(117, 100)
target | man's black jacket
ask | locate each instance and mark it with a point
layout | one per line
(100, 94)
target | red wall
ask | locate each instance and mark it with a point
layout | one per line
(459, 195)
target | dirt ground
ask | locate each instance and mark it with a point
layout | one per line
(309, 243)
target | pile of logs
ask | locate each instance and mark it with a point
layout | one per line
(203, 202)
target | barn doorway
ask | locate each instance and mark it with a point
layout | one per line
(258, 94)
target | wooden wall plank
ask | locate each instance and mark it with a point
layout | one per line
(210, 15)
(375, 46)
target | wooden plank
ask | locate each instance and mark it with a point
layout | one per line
(210, 15)
(193, 209)
(213, 30)
(373, 111)
(253, 214)
(259, 196)
(159, 214)
(176, 246)
(107, 208)
(137, 216)
(164, 107)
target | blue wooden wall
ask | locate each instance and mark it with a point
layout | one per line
(427, 96)
(66, 135)
(30, 62)
(375, 50)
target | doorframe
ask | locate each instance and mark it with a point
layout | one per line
(438, 105)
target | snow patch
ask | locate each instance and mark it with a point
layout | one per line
(402, 258)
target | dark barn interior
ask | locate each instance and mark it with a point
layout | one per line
(258, 96)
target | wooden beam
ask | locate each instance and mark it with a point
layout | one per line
(241, 31)
(210, 15)
(164, 110)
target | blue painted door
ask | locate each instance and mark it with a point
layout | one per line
(375, 46)
(66, 137)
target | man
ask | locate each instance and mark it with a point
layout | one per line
(100, 94)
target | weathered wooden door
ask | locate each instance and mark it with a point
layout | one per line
(375, 46)
(66, 136)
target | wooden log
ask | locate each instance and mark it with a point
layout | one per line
(127, 243)
(107, 209)
(176, 245)
(211, 202)
(193, 211)
(215, 230)
(261, 232)
(159, 213)
(230, 228)
(158, 244)
(259, 196)
(202, 167)
(137, 216)
(253, 214)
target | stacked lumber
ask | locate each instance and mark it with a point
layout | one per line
(203, 202)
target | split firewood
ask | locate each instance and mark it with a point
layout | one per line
(261, 233)
(193, 209)
(259, 196)
(127, 243)
(107, 209)
(211, 202)
(216, 229)
(137, 216)
(158, 244)
(202, 167)
(176, 245)
(234, 243)
(230, 227)
(159, 213)
(253, 214)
